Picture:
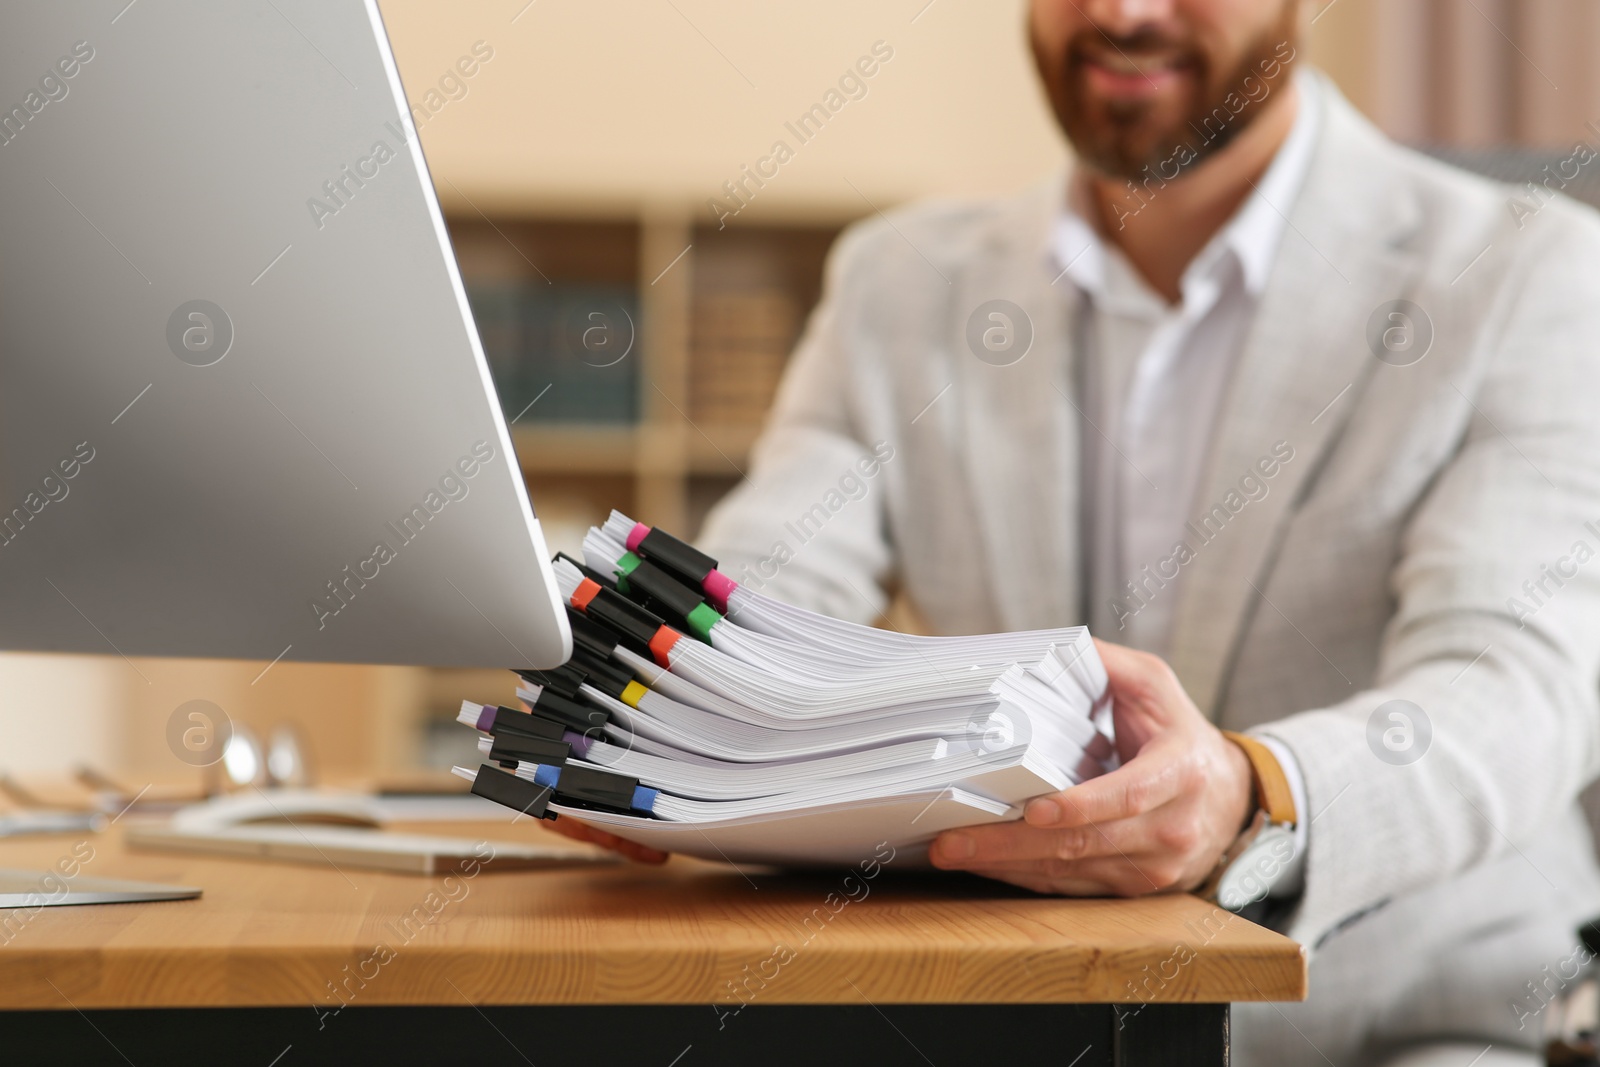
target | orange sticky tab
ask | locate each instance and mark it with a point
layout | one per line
(587, 590)
(661, 644)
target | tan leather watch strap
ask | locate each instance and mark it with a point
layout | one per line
(1273, 794)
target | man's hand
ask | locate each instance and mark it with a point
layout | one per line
(1158, 823)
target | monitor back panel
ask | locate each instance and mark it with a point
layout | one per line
(243, 408)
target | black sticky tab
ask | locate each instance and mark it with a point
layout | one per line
(609, 677)
(564, 679)
(519, 794)
(516, 721)
(613, 610)
(590, 636)
(523, 749)
(575, 716)
(649, 582)
(667, 551)
(603, 788)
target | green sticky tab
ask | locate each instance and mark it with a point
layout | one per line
(701, 620)
(625, 567)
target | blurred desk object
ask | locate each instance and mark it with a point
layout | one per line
(629, 964)
(1548, 171)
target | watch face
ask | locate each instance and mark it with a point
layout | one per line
(1251, 876)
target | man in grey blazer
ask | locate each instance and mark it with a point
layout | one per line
(1312, 419)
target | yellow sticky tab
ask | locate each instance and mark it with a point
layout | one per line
(633, 694)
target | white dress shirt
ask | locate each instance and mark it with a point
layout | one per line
(1154, 376)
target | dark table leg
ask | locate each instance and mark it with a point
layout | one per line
(1195, 1035)
(860, 1035)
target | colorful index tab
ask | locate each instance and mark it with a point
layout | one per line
(486, 717)
(661, 645)
(587, 590)
(625, 566)
(634, 618)
(701, 620)
(718, 587)
(643, 799)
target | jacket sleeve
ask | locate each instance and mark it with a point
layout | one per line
(806, 523)
(1494, 647)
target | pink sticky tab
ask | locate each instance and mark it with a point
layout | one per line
(719, 587)
(637, 534)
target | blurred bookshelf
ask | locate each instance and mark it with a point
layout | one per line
(635, 356)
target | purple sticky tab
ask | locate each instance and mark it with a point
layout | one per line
(580, 744)
(486, 717)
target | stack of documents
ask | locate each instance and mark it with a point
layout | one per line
(699, 716)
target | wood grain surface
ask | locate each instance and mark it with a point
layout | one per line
(287, 935)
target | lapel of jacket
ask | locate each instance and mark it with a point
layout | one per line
(1298, 380)
(1019, 427)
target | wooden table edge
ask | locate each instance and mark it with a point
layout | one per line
(146, 978)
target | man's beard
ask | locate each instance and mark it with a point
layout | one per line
(1121, 138)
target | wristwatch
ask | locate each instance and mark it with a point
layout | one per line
(1260, 856)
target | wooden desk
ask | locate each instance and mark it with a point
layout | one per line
(635, 963)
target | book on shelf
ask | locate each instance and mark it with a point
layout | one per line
(560, 352)
(697, 715)
(740, 343)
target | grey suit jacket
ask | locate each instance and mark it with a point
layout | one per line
(1385, 561)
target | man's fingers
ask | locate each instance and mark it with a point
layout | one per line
(1132, 674)
(1149, 826)
(1018, 842)
(1141, 785)
(1146, 697)
(1115, 876)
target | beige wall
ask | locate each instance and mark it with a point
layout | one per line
(357, 718)
(56, 711)
(614, 102)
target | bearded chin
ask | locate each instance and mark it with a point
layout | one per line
(1124, 144)
(1120, 140)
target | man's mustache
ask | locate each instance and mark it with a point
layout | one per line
(1143, 44)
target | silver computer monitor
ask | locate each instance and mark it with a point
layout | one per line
(244, 411)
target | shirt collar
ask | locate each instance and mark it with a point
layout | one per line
(1251, 235)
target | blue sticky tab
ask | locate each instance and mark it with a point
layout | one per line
(546, 775)
(644, 798)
